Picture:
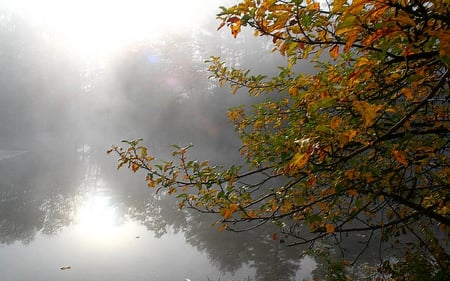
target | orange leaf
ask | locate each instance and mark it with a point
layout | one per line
(335, 122)
(329, 228)
(313, 7)
(352, 174)
(352, 192)
(334, 52)
(134, 167)
(400, 157)
(228, 212)
(222, 227)
(171, 190)
(408, 92)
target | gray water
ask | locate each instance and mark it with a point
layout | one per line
(79, 76)
(88, 224)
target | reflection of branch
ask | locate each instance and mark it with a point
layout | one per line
(366, 245)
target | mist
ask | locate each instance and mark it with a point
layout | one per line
(79, 76)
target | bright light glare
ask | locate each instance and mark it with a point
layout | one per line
(97, 220)
(94, 26)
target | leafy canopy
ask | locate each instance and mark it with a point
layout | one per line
(360, 145)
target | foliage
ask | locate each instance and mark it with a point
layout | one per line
(360, 145)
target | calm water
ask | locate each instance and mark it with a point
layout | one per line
(71, 88)
(90, 222)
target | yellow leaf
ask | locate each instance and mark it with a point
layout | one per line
(293, 91)
(351, 33)
(368, 111)
(405, 20)
(357, 6)
(313, 7)
(337, 5)
(233, 115)
(299, 160)
(346, 137)
(143, 152)
(235, 28)
(234, 88)
(362, 61)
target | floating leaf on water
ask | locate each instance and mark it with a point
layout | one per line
(65, 267)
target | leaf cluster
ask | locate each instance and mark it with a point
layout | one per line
(360, 145)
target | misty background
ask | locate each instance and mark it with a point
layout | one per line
(79, 76)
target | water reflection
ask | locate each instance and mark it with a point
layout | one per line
(97, 223)
(98, 219)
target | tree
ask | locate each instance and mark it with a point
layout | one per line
(361, 145)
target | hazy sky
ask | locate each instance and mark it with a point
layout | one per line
(94, 26)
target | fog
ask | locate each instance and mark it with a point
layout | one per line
(79, 76)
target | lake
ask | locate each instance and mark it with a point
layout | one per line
(80, 223)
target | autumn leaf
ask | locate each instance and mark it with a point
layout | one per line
(235, 26)
(230, 210)
(368, 111)
(400, 156)
(346, 137)
(222, 227)
(171, 190)
(299, 161)
(334, 52)
(313, 6)
(362, 61)
(335, 122)
(134, 167)
(381, 90)
(352, 174)
(329, 228)
(408, 92)
(352, 192)
(338, 5)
